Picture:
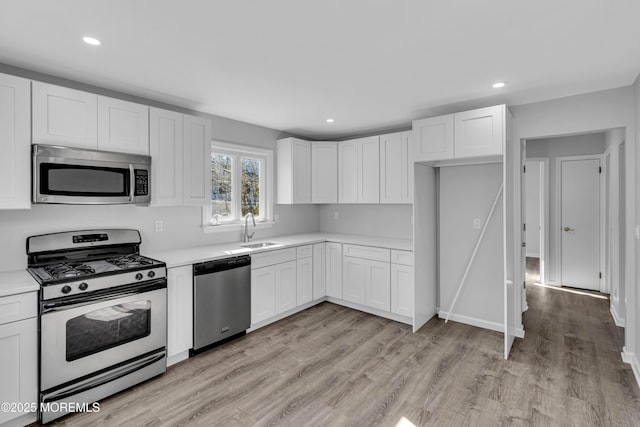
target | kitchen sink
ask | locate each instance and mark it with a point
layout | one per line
(261, 245)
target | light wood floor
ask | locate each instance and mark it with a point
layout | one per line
(334, 366)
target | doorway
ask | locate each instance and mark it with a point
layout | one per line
(579, 216)
(537, 218)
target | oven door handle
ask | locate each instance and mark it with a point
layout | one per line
(104, 378)
(132, 182)
(86, 299)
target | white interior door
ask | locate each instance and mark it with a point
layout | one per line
(580, 223)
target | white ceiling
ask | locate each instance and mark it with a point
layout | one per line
(290, 64)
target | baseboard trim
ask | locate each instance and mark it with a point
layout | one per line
(553, 283)
(533, 255)
(631, 359)
(374, 311)
(619, 321)
(284, 314)
(520, 332)
(485, 324)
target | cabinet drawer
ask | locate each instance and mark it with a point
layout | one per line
(304, 251)
(273, 257)
(367, 252)
(402, 257)
(18, 307)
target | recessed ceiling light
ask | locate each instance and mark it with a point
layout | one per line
(92, 41)
(330, 120)
(498, 85)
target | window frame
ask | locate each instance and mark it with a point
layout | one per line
(265, 187)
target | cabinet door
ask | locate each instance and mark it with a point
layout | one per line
(123, 126)
(369, 170)
(353, 279)
(15, 141)
(347, 172)
(479, 132)
(63, 116)
(285, 286)
(324, 172)
(396, 165)
(18, 364)
(263, 294)
(197, 161)
(179, 310)
(433, 138)
(402, 290)
(319, 271)
(166, 149)
(334, 270)
(378, 285)
(304, 280)
(301, 156)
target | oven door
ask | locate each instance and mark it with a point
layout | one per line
(84, 337)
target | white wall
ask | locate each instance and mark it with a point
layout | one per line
(594, 112)
(533, 205)
(466, 193)
(552, 148)
(632, 331)
(377, 220)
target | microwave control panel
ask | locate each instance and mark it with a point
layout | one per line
(142, 182)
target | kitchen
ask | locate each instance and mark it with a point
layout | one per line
(182, 226)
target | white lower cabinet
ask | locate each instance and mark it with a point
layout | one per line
(377, 279)
(18, 356)
(333, 270)
(402, 289)
(304, 280)
(285, 286)
(353, 279)
(319, 270)
(263, 294)
(179, 313)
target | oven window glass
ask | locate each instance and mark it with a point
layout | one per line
(75, 180)
(107, 327)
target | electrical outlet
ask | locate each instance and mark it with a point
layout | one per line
(336, 215)
(159, 226)
(476, 223)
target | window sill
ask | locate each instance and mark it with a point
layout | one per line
(233, 226)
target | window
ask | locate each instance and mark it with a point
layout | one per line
(240, 184)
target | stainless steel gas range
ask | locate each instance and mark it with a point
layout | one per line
(103, 321)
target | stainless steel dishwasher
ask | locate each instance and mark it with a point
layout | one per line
(221, 300)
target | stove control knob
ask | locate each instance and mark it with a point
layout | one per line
(66, 289)
(83, 286)
(151, 274)
(139, 276)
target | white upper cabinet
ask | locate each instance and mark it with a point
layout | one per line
(479, 132)
(122, 126)
(197, 160)
(396, 168)
(63, 116)
(293, 158)
(166, 149)
(15, 141)
(433, 138)
(348, 172)
(324, 172)
(469, 134)
(359, 170)
(369, 170)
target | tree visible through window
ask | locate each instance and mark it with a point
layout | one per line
(236, 185)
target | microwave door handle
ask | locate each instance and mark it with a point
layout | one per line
(132, 182)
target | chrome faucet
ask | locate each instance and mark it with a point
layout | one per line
(246, 237)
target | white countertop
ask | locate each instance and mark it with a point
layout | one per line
(17, 282)
(192, 255)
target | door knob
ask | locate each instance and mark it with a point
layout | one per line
(568, 228)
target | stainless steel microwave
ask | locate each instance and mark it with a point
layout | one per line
(82, 176)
